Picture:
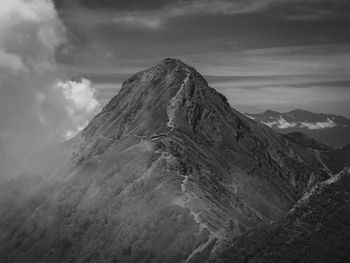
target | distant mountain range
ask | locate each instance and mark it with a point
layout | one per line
(329, 129)
(166, 172)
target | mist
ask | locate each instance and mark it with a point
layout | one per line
(40, 106)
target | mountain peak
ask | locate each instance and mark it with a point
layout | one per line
(300, 111)
(271, 112)
(151, 101)
(175, 61)
(169, 69)
(166, 157)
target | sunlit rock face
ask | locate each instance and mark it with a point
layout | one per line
(157, 176)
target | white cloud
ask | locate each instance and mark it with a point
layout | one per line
(81, 103)
(80, 94)
(319, 125)
(280, 123)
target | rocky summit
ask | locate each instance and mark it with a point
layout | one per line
(162, 174)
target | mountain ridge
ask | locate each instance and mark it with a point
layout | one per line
(167, 157)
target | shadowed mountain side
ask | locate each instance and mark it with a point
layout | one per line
(318, 154)
(157, 176)
(317, 229)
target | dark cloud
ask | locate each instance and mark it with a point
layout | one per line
(311, 10)
(286, 39)
(119, 4)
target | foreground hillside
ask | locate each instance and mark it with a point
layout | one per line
(157, 176)
(316, 230)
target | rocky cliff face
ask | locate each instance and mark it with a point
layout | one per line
(317, 229)
(158, 176)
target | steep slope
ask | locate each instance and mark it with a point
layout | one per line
(329, 129)
(337, 159)
(318, 154)
(156, 177)
(317, 229)
(344, 152)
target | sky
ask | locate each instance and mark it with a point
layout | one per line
(261, 54)
(61, 61)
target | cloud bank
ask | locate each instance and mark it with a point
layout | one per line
(319, 125)
(281, 123)
(36, 109)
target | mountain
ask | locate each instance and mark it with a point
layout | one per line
(329, 129)
(317, 229)
(157, 176)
